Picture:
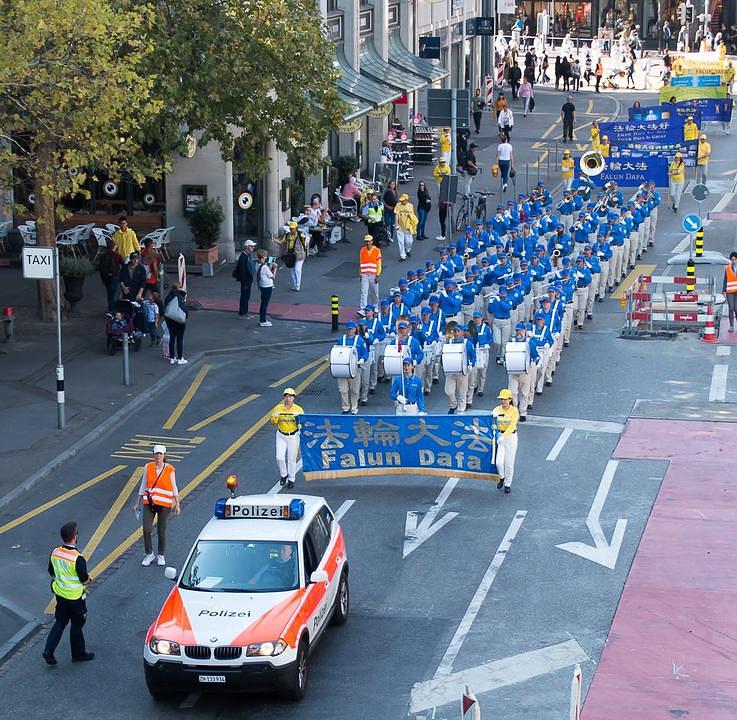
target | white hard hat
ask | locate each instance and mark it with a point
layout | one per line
(160, 449)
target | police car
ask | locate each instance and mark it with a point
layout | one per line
(265, 577)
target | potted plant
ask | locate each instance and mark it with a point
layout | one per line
(205, 223)
(74, 270)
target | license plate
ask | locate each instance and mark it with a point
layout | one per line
(212, 678)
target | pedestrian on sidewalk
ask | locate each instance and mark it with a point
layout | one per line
(265, 276)
(110, 265)
(68, 568)
(424, 204)
(500, 104)
(525, 93)
(126, 240)
(677, 177)
(729, 288)
(390, 200)
(175, 312)
(576, 75)
(445, 144)
(297, 245)
(133, 278)
(243, 272)
(702, 159)
(151, 261)
(369, 270)
(504, 159)
(558, 71)
(515, 76)
(439, 172)
(477, 109)
(286, 418)
(599, 72)
(568, 116)
(406, 226)
(543, 78)
(631, 72)
(505, 121)
(565, 71)
(158, 495)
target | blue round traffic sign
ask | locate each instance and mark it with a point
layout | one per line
(691, 223)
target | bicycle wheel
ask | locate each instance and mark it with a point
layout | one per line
(462, 217)
(481, 209)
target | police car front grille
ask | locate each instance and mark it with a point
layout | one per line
(197, 652)
(227, 652)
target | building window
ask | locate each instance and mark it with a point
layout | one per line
(332, 5)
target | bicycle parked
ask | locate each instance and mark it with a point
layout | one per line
(471, 208)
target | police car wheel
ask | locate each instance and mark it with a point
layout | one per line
(295, 684)
(342, 601)
(158, 693)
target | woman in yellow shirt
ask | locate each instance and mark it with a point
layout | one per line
(506, 417)
(500, 104)
(566, 169)
(677, 177)
(595, 135)
(284, 416)
(445, 144)
(604, 146)
(702, 159)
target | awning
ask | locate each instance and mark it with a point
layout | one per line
(361, 87)
(374, 66)
(401, 57)
(356, 108)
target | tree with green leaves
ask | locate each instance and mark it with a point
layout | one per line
(73, 98)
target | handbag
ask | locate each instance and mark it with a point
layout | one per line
(290, 259)
(532, 104)
(173, 311)
(512, 173)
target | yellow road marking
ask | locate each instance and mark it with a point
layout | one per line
(106, 522)
(65, 496)
(631, 279)
(112, 556)
(191, 390)
(297, 372)
(222, 413)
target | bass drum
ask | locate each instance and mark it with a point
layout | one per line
(343, 361)
(393, 359)
(517, 358)
(454, 359)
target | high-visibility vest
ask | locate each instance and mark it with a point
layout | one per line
(370, 261)
(66, 582)
(161, 491)
(731, 279)
(375, 214)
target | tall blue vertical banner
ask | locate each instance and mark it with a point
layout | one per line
(335, 446)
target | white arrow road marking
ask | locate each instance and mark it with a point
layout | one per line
(414, 534)
(497, 674)
(602, 552)
(343, 509)
(483, 589)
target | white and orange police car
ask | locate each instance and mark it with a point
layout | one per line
(263, 580)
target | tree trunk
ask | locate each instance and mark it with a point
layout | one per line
(45, 230)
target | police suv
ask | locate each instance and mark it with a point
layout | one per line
(263, 580)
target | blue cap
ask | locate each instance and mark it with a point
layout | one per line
(425, 311)
(611, 215)
(581, 258)
(396, 292)
(484, 260)
(468, 229)
(587, 247)
(469, 273)
(566, 261)
(582, 214)
(420, 271)
(631, 203)
(449, 283)
(565, 272)
(444, 251)
(489, 221)
(402, 323)
(479, 221)
(384, 303)
(413, 318)
(350, 324)
(429, 264)
(520, 326)
(407, 361)
(540, 316)
(545, 299)
(402, 281)
(521, 196)
(474, 268)
(434, 298)
(590, 206)
(453, 246)
(478, 313)
(539, 247)
(502, 290)
(500, 207)
(371, 307)
(524, 262)
(510, 202)
(411, 273)
(460, 326)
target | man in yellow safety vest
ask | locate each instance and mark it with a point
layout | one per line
(69, 570)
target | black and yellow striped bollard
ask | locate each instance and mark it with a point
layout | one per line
(334, 312)
(691, 275)
(700, 242)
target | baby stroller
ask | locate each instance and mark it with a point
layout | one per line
(133, 323)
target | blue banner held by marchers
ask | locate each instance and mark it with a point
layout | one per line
(662, 112)
(662, 137)
(629, 171)
(711, 109)
(335, 446)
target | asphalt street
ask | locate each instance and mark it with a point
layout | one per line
(490, 595)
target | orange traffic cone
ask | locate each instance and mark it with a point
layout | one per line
(709, 335)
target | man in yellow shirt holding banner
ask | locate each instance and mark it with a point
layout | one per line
(677, 177)
(702, 159)
(284, 416)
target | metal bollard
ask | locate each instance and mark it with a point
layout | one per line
(334, 313)
(126, 360)
(700, 243)
(691, 275)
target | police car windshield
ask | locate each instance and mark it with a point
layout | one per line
(242, 566)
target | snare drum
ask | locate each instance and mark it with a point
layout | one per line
(517, 358)
(343, 361)
(454, 359)
(393, 359)
(482, 357)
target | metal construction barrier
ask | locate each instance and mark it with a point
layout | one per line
(667, 312)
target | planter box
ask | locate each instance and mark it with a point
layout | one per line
(209, 256)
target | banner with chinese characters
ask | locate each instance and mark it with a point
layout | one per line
(715, 109)
(629, 171)
(335, 446)
(664, 112)
(657, 138)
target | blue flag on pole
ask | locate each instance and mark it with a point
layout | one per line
(335, 446)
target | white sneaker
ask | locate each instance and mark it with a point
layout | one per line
(182, 361)
(160, 560)
(147, 559)
(173, 361)
(265, 324)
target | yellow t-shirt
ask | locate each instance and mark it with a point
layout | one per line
(690, 131)
(444, 142)
(594, 138)
(677, 172)
(439, 170)
(604, 149)
(566, 168)
(406, 218)
(506, 420)
(284, 418)
(127, 242)
(704, 152)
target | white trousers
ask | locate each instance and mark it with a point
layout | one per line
(364, 372)
(676, 190)
(593, 290)
(404, 242)
(501, 331)
(350, 390)
(634, 246)
(456, 390)
(567, 325)
(603, 277)
(506, 452)
(542, 367)
(287, 447)
(615, 271)
(521, 387)
(653, 225)
(579, 303)
(296, 273)
(369, 287)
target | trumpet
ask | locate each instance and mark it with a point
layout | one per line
(592, 163)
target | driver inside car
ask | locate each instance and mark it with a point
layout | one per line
(282, 567)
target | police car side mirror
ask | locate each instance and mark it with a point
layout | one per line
(170, 573)
(319, 576)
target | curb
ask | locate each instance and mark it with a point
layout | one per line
(132, 406)
(30, 625)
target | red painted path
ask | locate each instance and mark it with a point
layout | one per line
(284, 311)
(672, 648)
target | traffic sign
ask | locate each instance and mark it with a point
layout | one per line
(691, 223)
(700, 193)
(38, 263)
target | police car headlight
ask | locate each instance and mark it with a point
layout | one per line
(266, 649)
(163, 647)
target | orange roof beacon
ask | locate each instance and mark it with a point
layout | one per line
(265, 577)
